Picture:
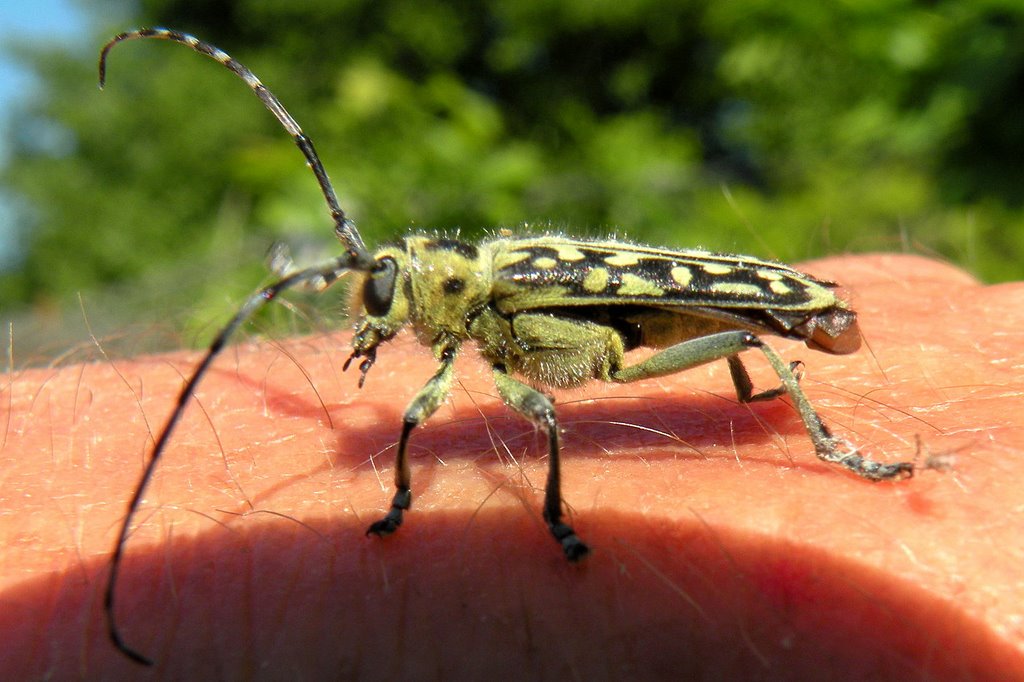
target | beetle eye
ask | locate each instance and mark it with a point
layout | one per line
(379, 289)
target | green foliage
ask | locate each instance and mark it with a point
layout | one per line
(783, 129)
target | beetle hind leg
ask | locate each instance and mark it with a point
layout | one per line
(728, 345)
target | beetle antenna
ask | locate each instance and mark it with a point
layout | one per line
(322, 274)
(344, 228)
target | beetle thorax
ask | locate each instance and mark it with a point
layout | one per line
(449, 281)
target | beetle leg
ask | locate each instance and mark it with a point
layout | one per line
(536, 407)
(699, 351)
(745, 387)
(422, 406)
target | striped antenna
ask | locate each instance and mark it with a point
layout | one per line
(344, 228)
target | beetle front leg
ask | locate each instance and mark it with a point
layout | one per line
(422, 406)
(536, 407)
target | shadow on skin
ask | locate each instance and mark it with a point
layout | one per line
(650, 430)
(477, 596)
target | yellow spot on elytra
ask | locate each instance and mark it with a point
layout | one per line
(716, 268)
(596, 280)
(505, 259)
(681, 275)
(632, 285)
(569, 253)
(622, 259)
(780, 287)
(544, 262)
(738, 289)
(769, 275)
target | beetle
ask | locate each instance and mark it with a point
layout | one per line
(544, 311)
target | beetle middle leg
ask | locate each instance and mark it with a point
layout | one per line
(745, 387)
(536, 407)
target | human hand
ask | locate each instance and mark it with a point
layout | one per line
(722, 546)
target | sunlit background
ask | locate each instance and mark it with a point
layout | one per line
(141, 215)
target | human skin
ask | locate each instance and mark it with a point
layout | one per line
(722, 548)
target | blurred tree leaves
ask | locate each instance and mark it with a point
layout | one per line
(783, 129)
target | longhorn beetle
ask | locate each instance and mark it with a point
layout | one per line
(554, 310)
